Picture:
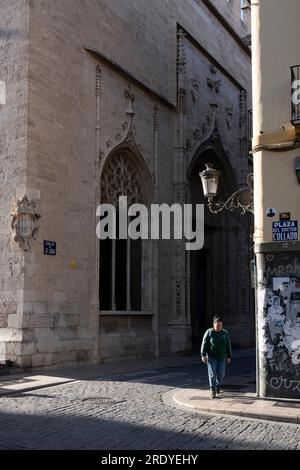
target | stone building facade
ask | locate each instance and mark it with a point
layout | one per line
(109, 97)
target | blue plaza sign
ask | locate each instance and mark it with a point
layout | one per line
(49, 248)
(286, 230)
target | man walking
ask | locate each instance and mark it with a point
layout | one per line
(216, 352)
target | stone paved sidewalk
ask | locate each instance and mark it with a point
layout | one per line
(231, 402)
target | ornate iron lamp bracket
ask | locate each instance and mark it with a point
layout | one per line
(241, 199)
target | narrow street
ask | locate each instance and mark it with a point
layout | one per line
(126, 412)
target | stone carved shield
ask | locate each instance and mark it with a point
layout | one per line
(25, 222)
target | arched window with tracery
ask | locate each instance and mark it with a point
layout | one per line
(123, 262)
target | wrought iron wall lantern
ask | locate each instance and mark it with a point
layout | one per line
(241, 199)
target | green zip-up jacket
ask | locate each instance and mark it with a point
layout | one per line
(216, 344)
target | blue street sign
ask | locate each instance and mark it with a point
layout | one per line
(49, 248)
(286, 230)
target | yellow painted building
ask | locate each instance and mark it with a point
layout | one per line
(276, 146)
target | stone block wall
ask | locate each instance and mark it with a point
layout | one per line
(14, 44)
(52, 301)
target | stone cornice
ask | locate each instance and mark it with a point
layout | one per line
(128, 75)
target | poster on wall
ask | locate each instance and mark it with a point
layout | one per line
(278, 302)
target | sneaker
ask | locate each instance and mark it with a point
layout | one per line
(213, 394)
(218, 390)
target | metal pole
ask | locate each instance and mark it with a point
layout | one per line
(256, 331)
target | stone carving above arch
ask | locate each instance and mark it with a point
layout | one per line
(215, 136)
(213, 69)
(195, 90)
(209, 124)
(121, 177)
(130, 99)
(124, 135)
(213, 83)
(209, 129)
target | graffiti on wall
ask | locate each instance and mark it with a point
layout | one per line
(278, 302)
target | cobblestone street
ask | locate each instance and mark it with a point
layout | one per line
(127, 412)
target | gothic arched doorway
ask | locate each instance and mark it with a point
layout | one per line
(213, 269)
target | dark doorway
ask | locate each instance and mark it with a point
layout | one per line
(198, 296)
(212, 266)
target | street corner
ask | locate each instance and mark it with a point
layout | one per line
(246, 405)
(200, 400)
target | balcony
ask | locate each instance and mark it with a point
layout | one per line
(295, 95)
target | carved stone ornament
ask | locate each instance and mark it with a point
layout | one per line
(121, 178)
(130, 97)
(181, 58)
(246, 40)
(181, 100)
(195, 90)
(213, 70)
(215, 136)
(156, 118)
(98, 81)
(229, 117)
(196, 135)
(188, 145)
(209, 124)
(214, 85)
(25, 222)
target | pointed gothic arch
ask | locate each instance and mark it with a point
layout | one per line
(124, 172)
(214, 152)
(214, 269)
(124, 282)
